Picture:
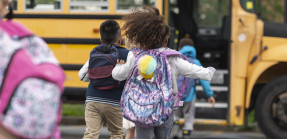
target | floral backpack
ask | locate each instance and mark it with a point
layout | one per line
(31, 84)
(149, 102)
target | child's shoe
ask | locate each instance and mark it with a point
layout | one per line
(186, 134)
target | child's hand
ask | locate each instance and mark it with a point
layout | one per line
(120, 61)
(211, 100)
(212, 69)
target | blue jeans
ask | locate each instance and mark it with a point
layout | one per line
(161, 132)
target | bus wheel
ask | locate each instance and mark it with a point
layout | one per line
(271, 109)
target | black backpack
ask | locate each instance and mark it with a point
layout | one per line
(103, 59)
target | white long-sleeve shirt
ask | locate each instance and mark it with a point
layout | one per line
(83, 73)
(178, 65)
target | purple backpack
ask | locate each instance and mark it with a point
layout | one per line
(148, 103)
(31, 84)
(190, 82)
(103, 59)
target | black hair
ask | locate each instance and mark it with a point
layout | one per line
(110, 31)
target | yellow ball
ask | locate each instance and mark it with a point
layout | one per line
(147, 65)
(146, 76)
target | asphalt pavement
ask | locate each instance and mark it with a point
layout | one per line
(77, 132)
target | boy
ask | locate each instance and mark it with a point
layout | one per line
(102, 106)
(188, 109)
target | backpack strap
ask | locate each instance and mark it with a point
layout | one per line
(182, 87)
(15, 30)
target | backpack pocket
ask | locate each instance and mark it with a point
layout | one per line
(33, 109)
(100, 73)
(147, 109)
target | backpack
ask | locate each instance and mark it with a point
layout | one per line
(102, 61)
(190, 82)
(31, 84)
(148, 103)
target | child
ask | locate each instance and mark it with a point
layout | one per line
(149, 30)
(102, 102)
(128, 125)
(188, 109)
(24, 113)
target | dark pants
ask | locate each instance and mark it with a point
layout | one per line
(161, 132)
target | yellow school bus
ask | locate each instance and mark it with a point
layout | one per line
(248, 52)
(71, 28)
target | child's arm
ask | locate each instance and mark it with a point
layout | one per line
(123, 71)
(207, 90)
(206, 86)
(83, 73)
(193, 71)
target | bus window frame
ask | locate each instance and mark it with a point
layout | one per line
(87, 11)
(128, 11)
(43, 11)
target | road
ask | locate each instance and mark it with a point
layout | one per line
(76, 132)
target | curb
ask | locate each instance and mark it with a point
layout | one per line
(72, 120)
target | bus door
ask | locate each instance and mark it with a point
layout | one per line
(207, 22)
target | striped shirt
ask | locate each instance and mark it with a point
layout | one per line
(102, 100)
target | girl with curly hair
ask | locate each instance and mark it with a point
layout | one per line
(148, 30)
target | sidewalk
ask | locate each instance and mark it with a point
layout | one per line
(74, 128)
(77, 132)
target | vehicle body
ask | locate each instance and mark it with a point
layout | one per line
(249, 53)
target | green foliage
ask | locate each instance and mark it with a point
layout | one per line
(272, 10)
(73, 110)
(250, 125)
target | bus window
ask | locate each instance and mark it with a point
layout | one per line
(211, 12)
(14, 4)
(43, 5)
(127, 5)
(89, 5)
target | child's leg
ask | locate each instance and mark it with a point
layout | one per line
(114, 120)
(131, 129)
(177, 114)
(189, 112)
(144, 133)
(94, 121)
(163, 131)
(131, 133)
(176, 130)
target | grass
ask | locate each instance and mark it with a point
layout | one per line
(77, 110)
(251, 123)
(251, 117)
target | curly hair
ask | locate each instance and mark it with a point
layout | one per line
(147, 28)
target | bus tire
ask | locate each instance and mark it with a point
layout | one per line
(266, 109)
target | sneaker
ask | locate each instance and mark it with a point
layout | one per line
(186, 132)
(176, 122)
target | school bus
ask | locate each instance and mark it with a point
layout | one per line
(248, 52)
